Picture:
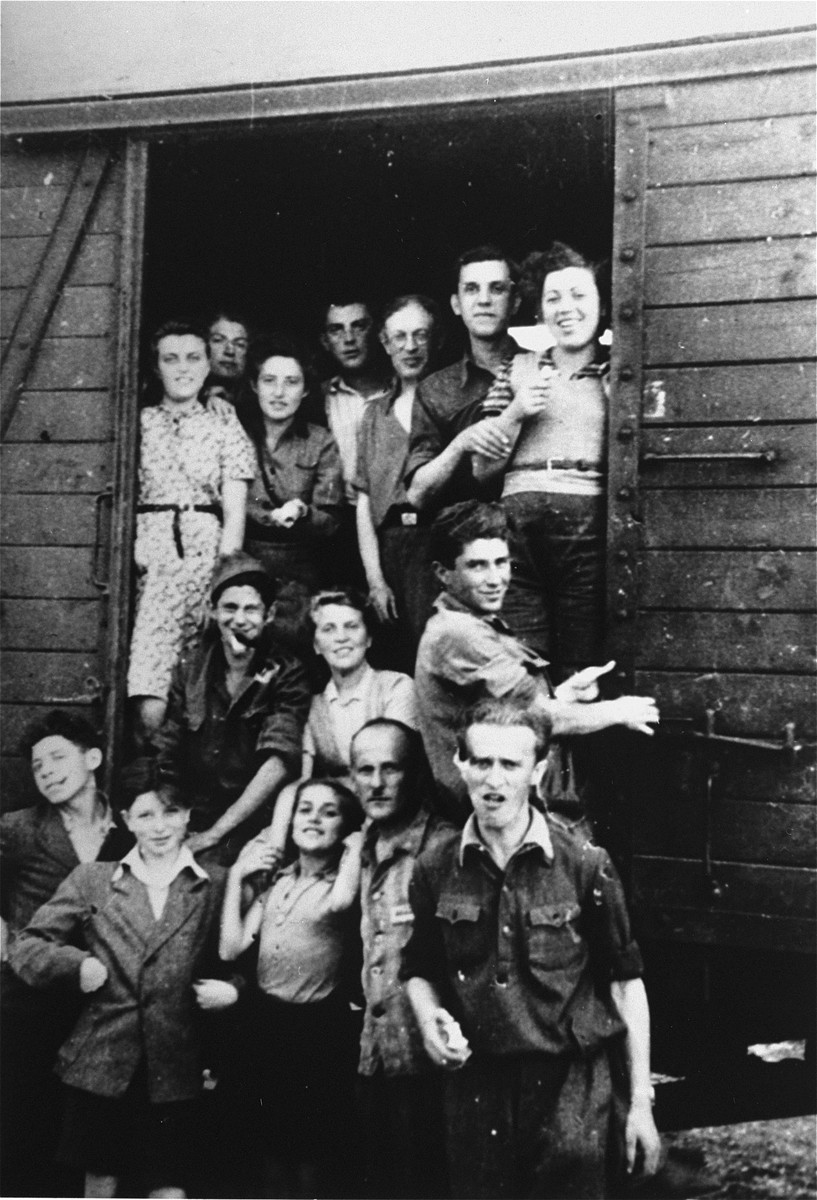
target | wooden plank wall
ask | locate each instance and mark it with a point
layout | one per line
(725, 574)
(57, 456)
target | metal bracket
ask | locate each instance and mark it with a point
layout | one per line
(761, 457)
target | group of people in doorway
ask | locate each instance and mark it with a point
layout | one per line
(343, 928)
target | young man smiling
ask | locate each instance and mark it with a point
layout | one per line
(452, 417)
(468, 653)
(235, 715)
(521, 936)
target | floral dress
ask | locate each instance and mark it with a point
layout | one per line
(187, 454)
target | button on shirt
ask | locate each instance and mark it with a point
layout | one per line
(523, 957)
(464, 657)
(391, 1039)
(446, 403)
(301, 941)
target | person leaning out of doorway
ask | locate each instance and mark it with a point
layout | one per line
(295, 496)
(194, 468)
(553, 469)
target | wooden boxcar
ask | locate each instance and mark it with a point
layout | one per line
(693, 164)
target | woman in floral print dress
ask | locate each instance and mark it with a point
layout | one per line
(194, 468)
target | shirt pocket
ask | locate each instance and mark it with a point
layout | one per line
(553, 939)
(302, 476)
(463, 929)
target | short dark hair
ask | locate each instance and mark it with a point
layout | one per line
(342, 297)
(486, 253)
(507, 714)
(228, 314)
(177, 328)
(144, 775)
(558, 257)
(348, 802)
(347, 596)
(463, 523)
(60, 723)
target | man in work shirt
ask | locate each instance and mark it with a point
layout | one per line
(401, 1115)
(525, 982)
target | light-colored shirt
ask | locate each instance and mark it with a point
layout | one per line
(464, 657)
(572, 428)
(301, 941)
(334, 719)
(344, 411)
(158, 890)
(87, 837)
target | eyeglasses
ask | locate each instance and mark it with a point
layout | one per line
(420, 337)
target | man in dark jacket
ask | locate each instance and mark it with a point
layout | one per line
(39, 847)
(235, 715)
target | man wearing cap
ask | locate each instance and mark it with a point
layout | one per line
(236, 713)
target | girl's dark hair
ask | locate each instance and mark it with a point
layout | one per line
(275, 345)
(349, 597)
(558, 257)
(348, 802)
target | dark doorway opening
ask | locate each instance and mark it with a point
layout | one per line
(267, 221)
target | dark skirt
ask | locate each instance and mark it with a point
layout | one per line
(307, 1061)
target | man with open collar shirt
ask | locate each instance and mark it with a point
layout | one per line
(455, 409)
(526, 984)
(236, 714)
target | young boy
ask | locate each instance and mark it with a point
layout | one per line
(135, 938)
(39, 847)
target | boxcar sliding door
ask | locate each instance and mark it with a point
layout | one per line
(712, 501)
(71, 245)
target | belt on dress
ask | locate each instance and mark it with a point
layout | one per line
(177, 510)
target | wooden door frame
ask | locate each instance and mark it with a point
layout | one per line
(126, 443)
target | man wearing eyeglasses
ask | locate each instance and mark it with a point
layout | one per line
(393, 541)
(228, 339)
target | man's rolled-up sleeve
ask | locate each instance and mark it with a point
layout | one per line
(615, 952)
(282, 730)
(426, 440)
(472, 653)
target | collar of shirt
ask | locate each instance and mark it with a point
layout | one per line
(445, 601)
(509, 346)
(378, 846)
(188, 408)
(337, 385)
(594, 370)
(538, 834)
(357, 693)
(136, 865)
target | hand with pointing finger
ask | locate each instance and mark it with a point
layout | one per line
(583, 687)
